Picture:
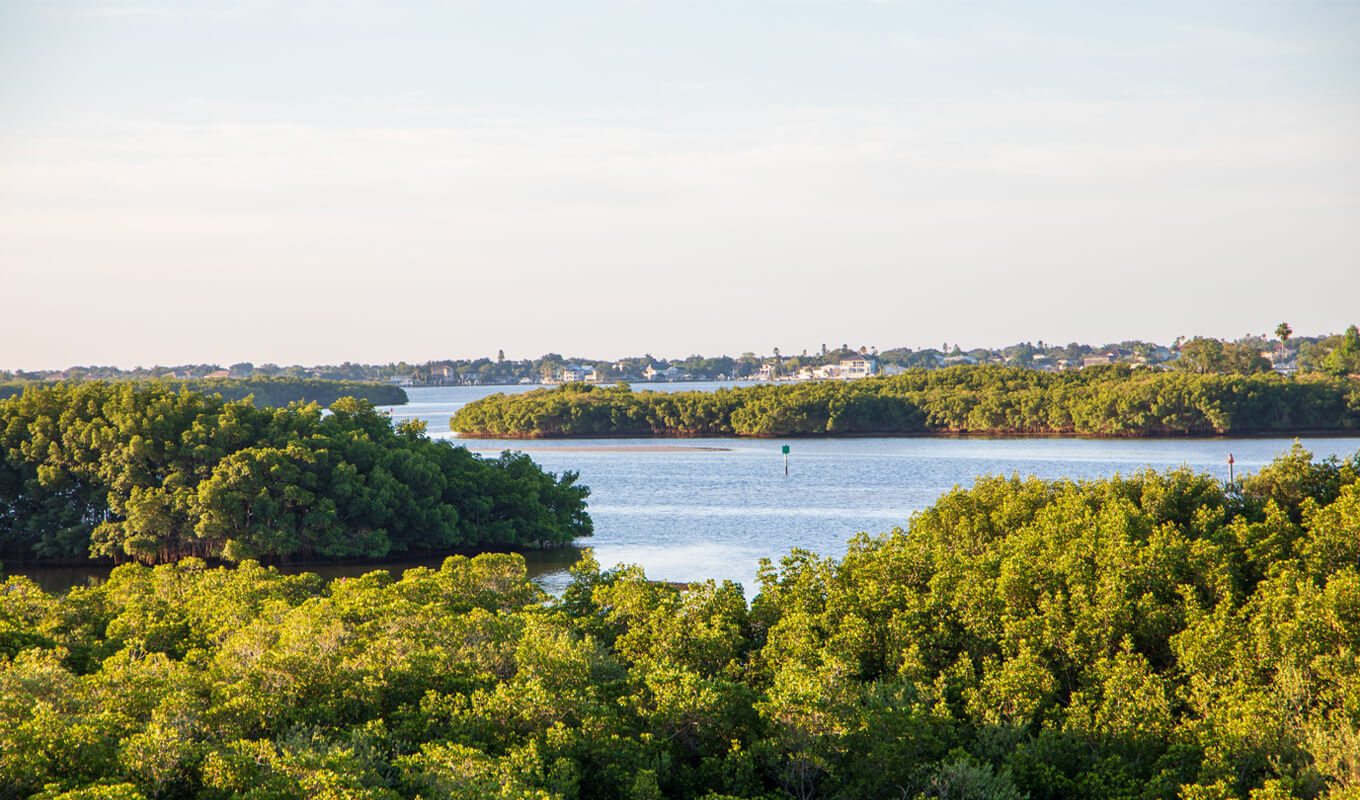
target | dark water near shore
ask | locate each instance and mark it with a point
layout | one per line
(692, 509)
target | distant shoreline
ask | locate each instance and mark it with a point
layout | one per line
(459, 436)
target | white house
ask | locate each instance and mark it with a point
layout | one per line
(858, 366)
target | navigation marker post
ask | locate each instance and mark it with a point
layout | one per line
(1230, 469)
(786, 460)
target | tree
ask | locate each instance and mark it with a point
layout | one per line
(1345, 357)
(1207, 356)
(1284, 332)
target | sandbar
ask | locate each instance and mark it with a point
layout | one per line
(611, 448)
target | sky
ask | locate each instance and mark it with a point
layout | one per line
(312, 182)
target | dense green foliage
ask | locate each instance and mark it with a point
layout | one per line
(122, 470)
(1153, 636)
(270, 392)
(1113, 401)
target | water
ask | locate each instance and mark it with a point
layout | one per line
(691, 509)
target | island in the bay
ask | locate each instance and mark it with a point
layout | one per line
(984, 399)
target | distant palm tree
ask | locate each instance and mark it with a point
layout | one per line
(1284, 332)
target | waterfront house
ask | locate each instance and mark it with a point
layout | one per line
(655, 372)
(858, 366)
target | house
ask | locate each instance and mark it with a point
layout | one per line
(218, 373)
(819, 373)
(591, 374)
(1097, 360)
(858, 366)
(655, 372)
(1043, 363)
(571, 373)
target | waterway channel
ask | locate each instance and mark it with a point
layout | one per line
(692, 509)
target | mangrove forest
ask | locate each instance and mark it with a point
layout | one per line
(1159, 636)
(127, 471)
(1101, 401)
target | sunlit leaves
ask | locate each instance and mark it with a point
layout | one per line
(150, 474)
(1148, 636)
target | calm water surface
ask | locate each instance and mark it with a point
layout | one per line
(692, 509)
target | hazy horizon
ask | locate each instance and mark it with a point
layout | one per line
(670, 357)
(217, 181)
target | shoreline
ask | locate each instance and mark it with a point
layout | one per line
(457, 436)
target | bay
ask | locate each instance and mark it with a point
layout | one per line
(692, 509)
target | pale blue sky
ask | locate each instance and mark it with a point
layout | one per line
(325, 181)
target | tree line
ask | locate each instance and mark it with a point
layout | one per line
(127, 471)
(1108, 401)
(1336, 354)
(264, 390)
(1155, 636)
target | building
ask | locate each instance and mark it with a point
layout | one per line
(858, 366)
(655, 372)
